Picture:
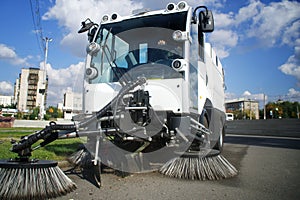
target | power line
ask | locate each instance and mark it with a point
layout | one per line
(286, 97)
(36, 20)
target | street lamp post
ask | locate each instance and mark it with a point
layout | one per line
(43, 91)
(250, 110)
(265, 116)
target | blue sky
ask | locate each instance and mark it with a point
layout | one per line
(257, 40)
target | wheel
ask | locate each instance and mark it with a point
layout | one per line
(220, 143)
(205, 122)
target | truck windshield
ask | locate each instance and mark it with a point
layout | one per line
(145, 41)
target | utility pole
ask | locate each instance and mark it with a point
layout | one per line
(43, 91)
(250, 109)
(265, 106)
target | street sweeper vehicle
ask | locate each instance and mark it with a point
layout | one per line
(153, 97)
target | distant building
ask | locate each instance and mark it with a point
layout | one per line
(31, 89)
(245, 108)
(72, 104)
(16, 90)
(6, 100)
(60, 106)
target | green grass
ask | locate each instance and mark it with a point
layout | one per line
(57, 150)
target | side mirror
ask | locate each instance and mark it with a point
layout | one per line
(89, 26)
(206, 21)
(91, 34)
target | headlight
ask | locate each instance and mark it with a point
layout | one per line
(181, 5)
(105, 18)
(91, 73)
(180, 35)
(179, 64)
(114, 16)
(170, 6)
(176, 64)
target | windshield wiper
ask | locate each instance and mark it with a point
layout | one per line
(116, 70)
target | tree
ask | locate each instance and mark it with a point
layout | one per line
(12, 106)
(53, 112)
(34, 113)
(282, 109)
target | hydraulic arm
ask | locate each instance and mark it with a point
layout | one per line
(55, 131)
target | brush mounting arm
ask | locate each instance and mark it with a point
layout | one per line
(55, 131)
(48, 134)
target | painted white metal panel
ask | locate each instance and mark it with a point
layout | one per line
(166, 94)
(96, 96)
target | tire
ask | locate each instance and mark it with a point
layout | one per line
(220, 143)
(205, 122)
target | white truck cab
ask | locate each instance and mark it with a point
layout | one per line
(182, 95)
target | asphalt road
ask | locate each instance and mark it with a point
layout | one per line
(269, 168)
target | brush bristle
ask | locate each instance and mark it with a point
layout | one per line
(80, 158)
(199, 168)
(34, 183)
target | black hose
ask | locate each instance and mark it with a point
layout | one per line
(45, 133)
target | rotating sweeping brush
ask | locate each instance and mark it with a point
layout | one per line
(26, 178)
(199, 166)
(79, 158)
(33, 179)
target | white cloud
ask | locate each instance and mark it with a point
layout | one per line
(273, 24)
(270, 23)
(9, 55)
(248, 12)
(59, 80)
(230, 95)
(292, 65)
(224, 37)
(223, 20)
(246, 93)
(208, 3)
(6, 88)
(291, 33)
(223, 40)
(293, 95)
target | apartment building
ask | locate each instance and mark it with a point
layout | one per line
(247, 108)
(72, 104)
(31, 89)
(6, 100)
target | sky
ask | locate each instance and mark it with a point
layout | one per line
(258, 42)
